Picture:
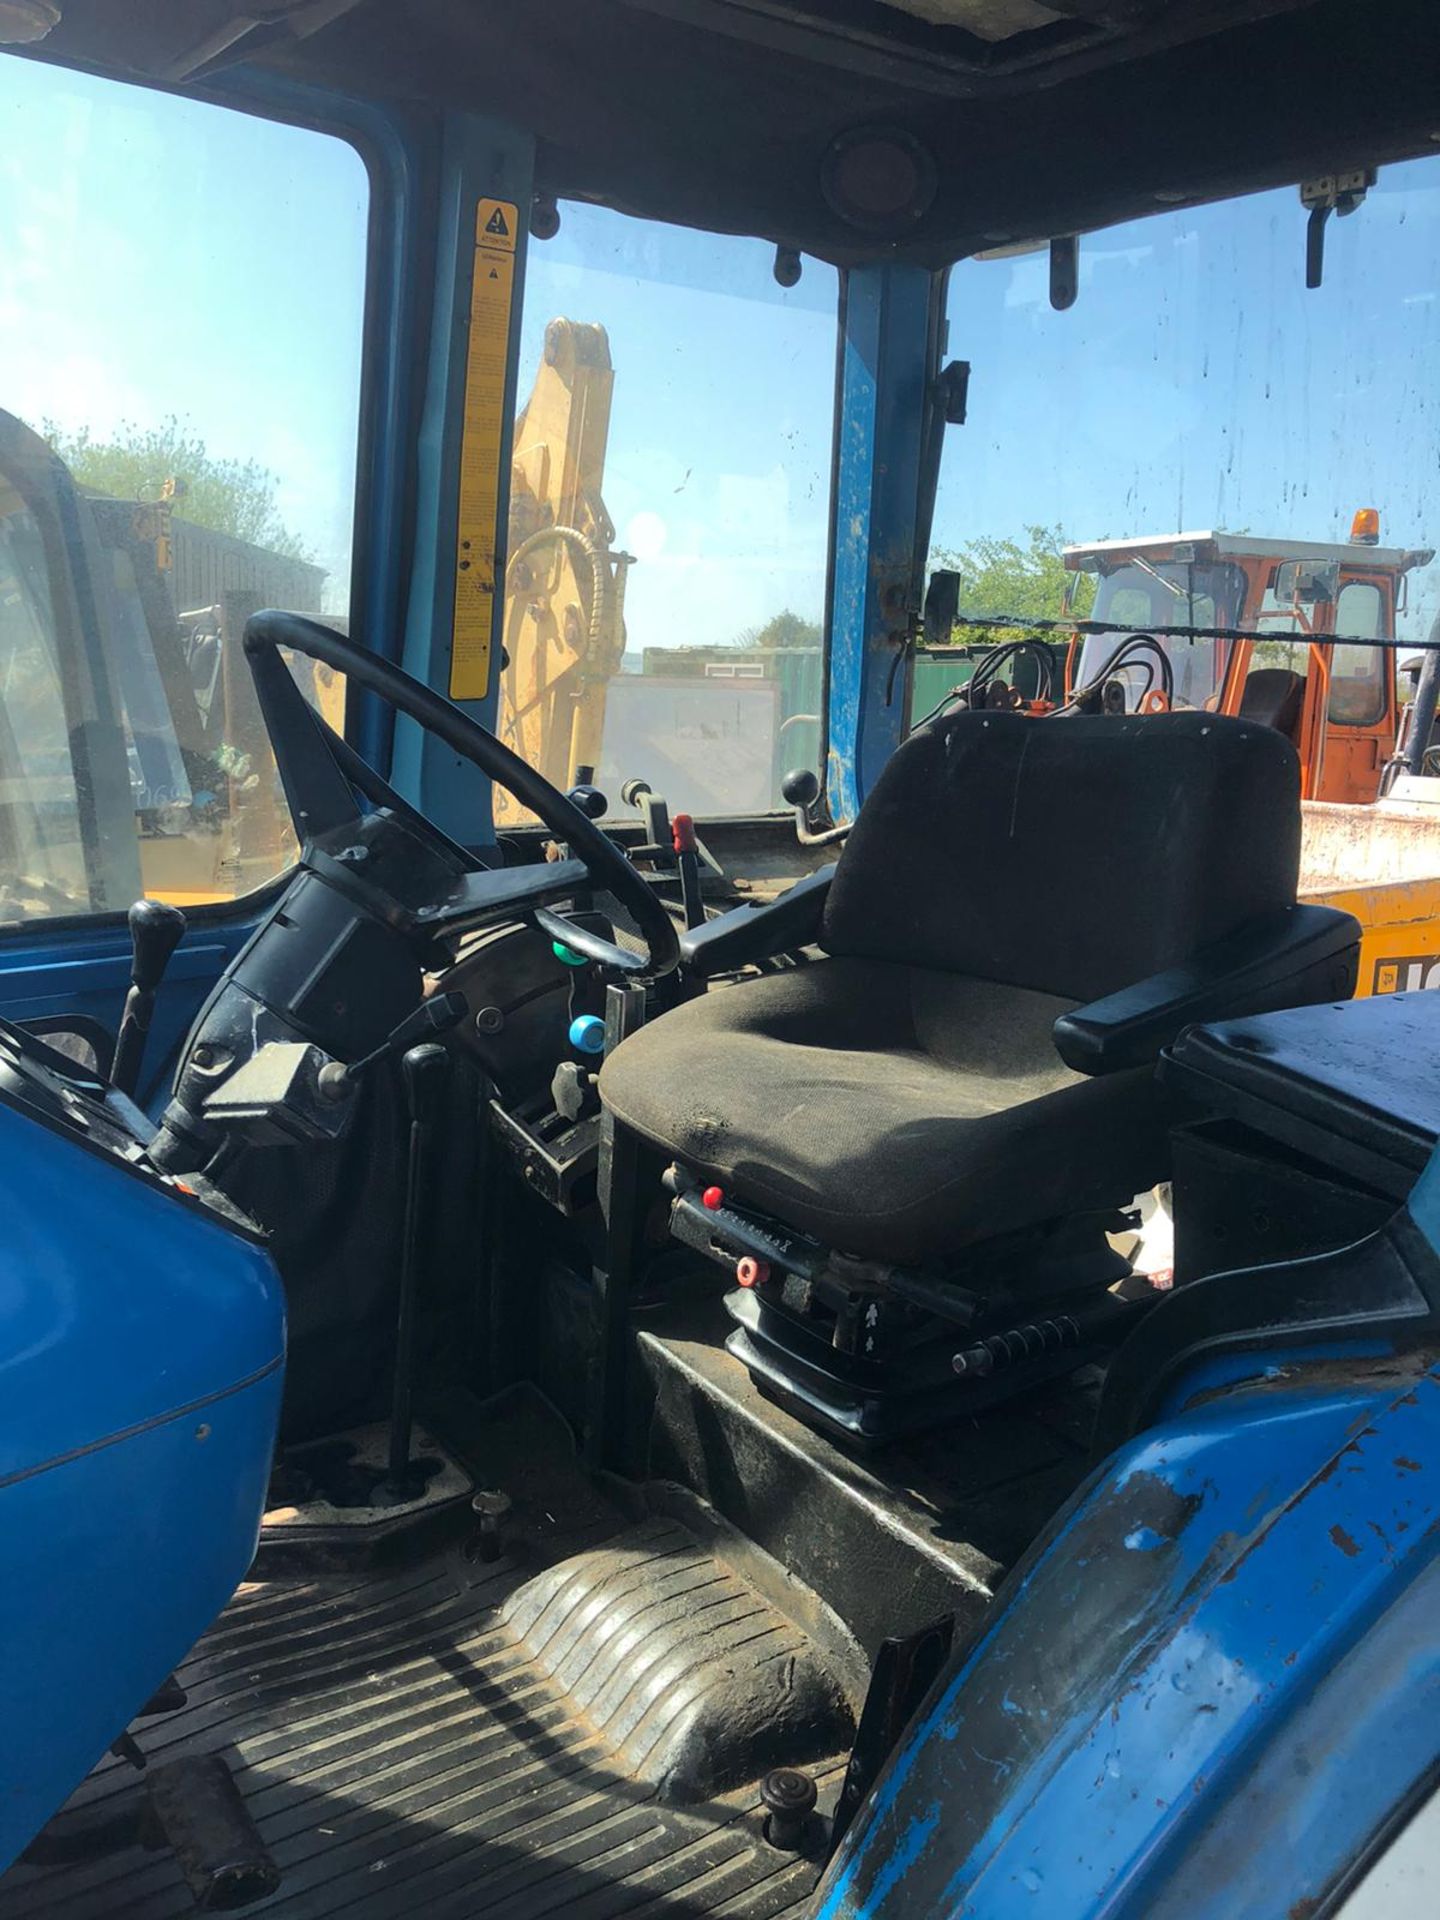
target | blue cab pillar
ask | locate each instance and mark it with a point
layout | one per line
(890, 320)
(486, 174)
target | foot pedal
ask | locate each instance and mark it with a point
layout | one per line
(196, 1809)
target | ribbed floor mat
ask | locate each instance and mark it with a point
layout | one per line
(402, 1754)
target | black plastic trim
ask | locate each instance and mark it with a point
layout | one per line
(1292, 958)
(1384, 1288)
(750, 933)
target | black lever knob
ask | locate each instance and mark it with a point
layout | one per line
(156, 929)
(789, 1797)
(590, 800)
(433, 1016)
(801, 787)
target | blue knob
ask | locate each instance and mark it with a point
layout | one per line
(587, 1033)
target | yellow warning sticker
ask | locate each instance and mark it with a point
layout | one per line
(481, 441)
(495, 225)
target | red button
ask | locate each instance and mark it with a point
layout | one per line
(712, 1198)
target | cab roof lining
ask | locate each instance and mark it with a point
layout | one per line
(718, 113)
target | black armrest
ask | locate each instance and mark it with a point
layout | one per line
(1289, 959)
(747, 933)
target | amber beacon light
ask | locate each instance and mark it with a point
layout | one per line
(1365, 527)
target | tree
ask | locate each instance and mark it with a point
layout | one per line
(229, 496)
(1011, 576)
(785, 629)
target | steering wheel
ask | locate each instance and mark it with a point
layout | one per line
(320, 774)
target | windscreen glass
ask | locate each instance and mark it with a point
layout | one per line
(669, 528)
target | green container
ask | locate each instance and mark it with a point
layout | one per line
(935, 673)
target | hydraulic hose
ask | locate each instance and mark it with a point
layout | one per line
(601, 585)
(1139, 645)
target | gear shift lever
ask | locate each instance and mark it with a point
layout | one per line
(155, 931)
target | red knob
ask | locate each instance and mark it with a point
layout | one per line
(712, 1198)
(682, 833)
(750, 1272)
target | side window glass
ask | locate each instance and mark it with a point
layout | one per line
(41, 868)
(195, 448)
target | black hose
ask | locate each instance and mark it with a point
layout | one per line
(1142, 644)
(987, 666)
(990, 664)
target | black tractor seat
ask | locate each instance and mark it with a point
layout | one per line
(973, 1058)
(1275, 697)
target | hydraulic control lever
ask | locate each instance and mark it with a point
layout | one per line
(687, 860)
(427, 1080)
(653, 811)
(155, 931)
(801, 789)
(433, 1016)
(671, 845)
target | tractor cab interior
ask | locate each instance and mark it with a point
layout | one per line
(589, 1190)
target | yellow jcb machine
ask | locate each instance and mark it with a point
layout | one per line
(565, 580)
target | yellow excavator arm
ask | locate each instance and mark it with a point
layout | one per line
(564, 581)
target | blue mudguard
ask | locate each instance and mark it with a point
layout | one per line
(1214, 1685)
(141, 1359)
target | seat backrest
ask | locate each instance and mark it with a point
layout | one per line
(1273, 696)
(1073, 855)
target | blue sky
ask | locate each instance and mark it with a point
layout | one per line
(162, 256)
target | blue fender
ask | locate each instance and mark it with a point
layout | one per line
(1209, 1688)
(141, 1361)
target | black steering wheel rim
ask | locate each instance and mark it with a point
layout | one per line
(269, 630)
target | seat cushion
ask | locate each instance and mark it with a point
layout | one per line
(892, 1111)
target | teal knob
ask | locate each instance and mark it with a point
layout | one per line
(567, 956)
(587, 1033)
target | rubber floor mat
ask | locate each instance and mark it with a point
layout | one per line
(401, 1752)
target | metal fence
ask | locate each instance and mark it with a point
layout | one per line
(208, 565)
